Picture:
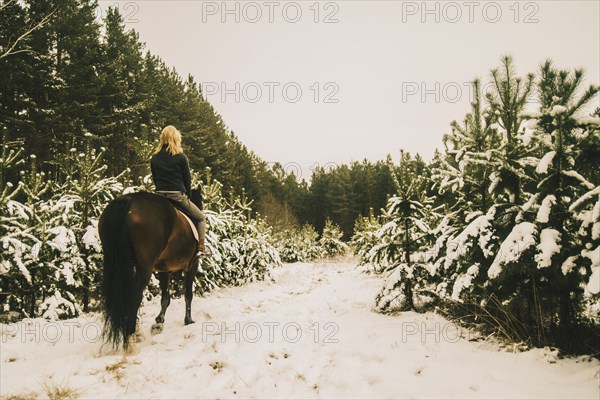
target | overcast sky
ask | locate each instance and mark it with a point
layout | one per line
(374, 76)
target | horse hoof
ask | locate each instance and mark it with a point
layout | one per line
(139, 337)
(157, 328)
(189, 321)
(131, 349)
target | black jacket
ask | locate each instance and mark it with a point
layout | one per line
(171, 173)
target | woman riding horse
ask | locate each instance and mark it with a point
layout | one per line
(142, 233)
(171, 175)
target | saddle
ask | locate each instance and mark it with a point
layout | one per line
(191, 221)
(192, 225)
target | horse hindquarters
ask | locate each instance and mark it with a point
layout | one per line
(123, 283)
(119, 270)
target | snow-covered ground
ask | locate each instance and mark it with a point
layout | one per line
(309, 334)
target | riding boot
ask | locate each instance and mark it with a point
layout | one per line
(201, 249)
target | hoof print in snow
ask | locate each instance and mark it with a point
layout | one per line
(274, 356)
(157, 328)
(217, 366)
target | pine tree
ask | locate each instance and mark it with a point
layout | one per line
(331, 240)
(12, 213)
(485, 171)
(507, 103)
(404, 238)
(25, 73)
(37, 190)
(121, 94)
(467, 168)
(365, 237)
(560, 270)
(89, 192)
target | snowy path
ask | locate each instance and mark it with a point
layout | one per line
(341, 349)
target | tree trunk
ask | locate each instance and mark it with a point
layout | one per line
(408, 292)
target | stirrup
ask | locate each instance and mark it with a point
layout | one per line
(203, 254)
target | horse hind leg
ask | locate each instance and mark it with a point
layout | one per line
(133, 323)
(132, 347)
(190, 274)
(139, 333)
(164, 279)
(137, 337)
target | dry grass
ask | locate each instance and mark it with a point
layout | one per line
(21, 396)
(491, 319)
(117, 369)
(60, 391)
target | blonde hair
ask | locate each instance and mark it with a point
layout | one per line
(171, 137)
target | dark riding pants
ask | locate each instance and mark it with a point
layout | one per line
(191, 208)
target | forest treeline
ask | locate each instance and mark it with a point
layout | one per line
(73, 75)
(65, 74)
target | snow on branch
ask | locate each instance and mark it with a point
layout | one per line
(9, 50)
(520, 239)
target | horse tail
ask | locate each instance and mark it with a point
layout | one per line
(118, 285)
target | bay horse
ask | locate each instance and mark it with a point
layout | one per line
(142, 233)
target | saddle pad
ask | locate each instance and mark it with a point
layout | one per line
(192, 225)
